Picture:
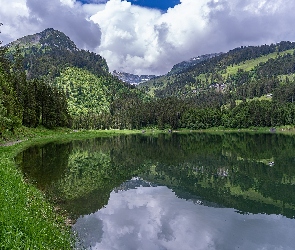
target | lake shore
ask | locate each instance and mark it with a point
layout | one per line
(27, 220)
(29, 134)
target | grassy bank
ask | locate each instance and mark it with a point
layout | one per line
(27, 220)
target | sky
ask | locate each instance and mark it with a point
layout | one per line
(154, 4)
(150, 36)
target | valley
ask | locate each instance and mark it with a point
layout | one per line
(53, 83)
(53, 93)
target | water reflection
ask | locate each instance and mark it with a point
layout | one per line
(187, 184)
(154, 218)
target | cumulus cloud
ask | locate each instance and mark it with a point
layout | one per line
(147, 41)
(14, 16)
(140, 40)
(24, 17)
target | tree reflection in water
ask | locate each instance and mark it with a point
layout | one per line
(231, 170)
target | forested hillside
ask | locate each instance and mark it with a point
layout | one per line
(46, 80)
(244, 72)
(183, 66)
(24, 101)
(247, 86)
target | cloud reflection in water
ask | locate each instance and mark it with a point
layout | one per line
(153, 218)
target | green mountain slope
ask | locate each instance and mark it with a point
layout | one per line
(46, 80)
(244, 72)
(49, 52)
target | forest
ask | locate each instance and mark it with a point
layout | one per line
(54, 84)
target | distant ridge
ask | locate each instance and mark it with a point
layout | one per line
(131, 78)
(184, 65)
(241, 73)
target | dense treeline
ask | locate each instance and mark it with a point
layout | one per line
(28, 102)
(211, 88)
(174, 113)
(264, 78)
(9, 106)
(33, 102)
(46, 80)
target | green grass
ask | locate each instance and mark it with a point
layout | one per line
(27, 221)
(250, 64)
(290, 76)
(261, 98)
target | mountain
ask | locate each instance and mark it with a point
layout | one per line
(49, 38)
(49, 52)
(46, 80)
(131, 78)
(241, 73)
(50, 60)
(184, 65)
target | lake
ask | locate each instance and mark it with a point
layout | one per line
(172, 191)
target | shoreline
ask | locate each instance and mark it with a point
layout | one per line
(24, 207)
(32, 134)
(27, 219)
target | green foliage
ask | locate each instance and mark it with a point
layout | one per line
(10, 108)
(195, 118)
(46, 80)
(52, 106)
(66, 86)
(87, 97)
(259, 114)
(285, 92)
(241, 73)
(27, 102)
(85, 92)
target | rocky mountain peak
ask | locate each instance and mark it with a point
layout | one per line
(47, 38)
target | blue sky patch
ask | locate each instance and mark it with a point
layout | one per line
(154, 4)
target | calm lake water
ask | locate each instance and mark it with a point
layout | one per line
(193, 191)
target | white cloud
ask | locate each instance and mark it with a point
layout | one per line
(13, 15)
(145, 40)
(141, 40)
(25, 17)
(129, 38)
(70, 3)
(92, 9)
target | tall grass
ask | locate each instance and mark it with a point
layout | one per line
(27, 221)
